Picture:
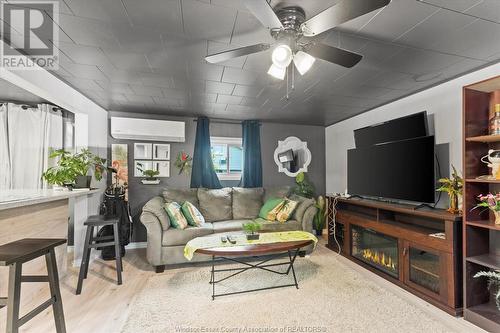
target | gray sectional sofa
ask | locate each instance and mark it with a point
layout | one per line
(225, 210)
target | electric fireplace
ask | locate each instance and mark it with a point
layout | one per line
(375, 249)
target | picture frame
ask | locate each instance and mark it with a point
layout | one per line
(146, 165)
(161, 151)
(143, 151)
(163, 167)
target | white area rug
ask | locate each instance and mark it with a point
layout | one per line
(332, 298)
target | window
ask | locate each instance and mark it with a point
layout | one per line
(227, 155)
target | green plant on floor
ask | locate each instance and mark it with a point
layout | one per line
(454, 187)
(252, 227)
(71, 165)
(493, 283)
(303, 188)
(320, 217)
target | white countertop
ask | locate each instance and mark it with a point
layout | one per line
(20, 198)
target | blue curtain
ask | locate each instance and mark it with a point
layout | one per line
(252, 162)
(203, 172)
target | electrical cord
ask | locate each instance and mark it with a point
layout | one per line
(439, 177)
(332, 229)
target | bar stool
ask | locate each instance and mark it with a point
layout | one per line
(92, 222)
(14, 255)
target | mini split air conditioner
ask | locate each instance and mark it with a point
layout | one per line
(148, 129)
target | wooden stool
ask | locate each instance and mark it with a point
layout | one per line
(99, 221)
(14, 255)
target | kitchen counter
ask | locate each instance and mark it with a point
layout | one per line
(20, 198)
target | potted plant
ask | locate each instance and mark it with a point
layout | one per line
(320, 217)
(151, 178)
(491, 202)
(454, 187)
(304, 187)
(72, 170)
(252, 230)
(493, 283)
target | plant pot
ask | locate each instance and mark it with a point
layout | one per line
(253, 236)
(497, 217)
(147, 181)
(318, 232)
(82, 181)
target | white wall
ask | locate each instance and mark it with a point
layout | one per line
(443, 103)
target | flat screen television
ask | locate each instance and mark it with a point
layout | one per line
(401, 170)
(412, 126)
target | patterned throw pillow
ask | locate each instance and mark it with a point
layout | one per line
(286, 210)
(177, 220)
(192, 214)
(269, 208)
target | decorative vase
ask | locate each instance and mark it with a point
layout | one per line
(453, 203)
(83, 181)
(253, 236)
(497, 216)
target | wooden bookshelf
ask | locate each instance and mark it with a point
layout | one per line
(481, 246)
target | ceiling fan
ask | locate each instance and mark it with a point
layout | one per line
(290, 29)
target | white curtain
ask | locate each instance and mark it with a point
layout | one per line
(4, 150)
(31, 133)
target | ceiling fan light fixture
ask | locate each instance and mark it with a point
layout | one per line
(282, 55)
(277, 72)
(303, 62)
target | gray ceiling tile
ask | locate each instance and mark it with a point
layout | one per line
(137, 38)
(86, 55)
(236, 4)
(458, 5)
(248, 91)
(105, 10)
(154, 79)
(121, 76)
(80, 83)
(128, 60)
(219, 87)
(417, 61)
(200, 71)
(437, 27)
(246, 110)
(84, 71)
(208, 22)
(486, 9)
(112, 88)
(204, 98)
(87, 31)
(174, 93)
(227, 99)
(159, 15)
(146, 90)
(234, 75)
(397, 18)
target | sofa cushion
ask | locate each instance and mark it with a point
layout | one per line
(247, 202)
(192, 214)
(286, 211)
(230, 225)
(303, 204)
(216, 205)
(270, 208)
(177, 219)
(173, 237)
(289, 225)
(181, 195)
(277, 192)
(156, 206)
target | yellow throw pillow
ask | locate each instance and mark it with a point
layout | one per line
(286, 211)
(271, 216)
(177, 220)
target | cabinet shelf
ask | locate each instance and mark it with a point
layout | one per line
(487, 260)
(483, 138)
(484, 224)
(476, 180)
(485, 315)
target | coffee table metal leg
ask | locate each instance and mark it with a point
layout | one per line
(213, 278)
(292, 260)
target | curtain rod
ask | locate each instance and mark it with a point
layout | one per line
(26, 106)
(224, 121)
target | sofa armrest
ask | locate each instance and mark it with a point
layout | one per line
(307, 220)
(155, 235)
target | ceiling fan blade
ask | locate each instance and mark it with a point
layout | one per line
(264, 13)
(339, 13)
(334, 54)
(239, 52)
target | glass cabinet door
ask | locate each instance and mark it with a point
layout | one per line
(423, 269)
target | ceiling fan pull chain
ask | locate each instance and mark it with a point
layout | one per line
(293, 77)
(287, 81)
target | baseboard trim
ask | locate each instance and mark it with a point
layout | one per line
(136, 245)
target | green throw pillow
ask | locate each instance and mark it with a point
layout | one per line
(269, 206)
(177, 220)
(192, 214)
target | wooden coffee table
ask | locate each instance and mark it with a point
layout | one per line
(238, 254)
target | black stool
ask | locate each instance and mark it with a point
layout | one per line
(99, 221)
(14, 255)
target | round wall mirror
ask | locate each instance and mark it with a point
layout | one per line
(292, 156)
